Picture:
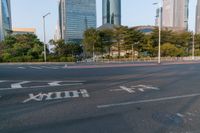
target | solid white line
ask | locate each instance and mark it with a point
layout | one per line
(148, 101)
(18, 85)
(1, 81)
(72, 84)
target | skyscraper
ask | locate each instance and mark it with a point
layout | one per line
(175, 14)
(197, 27)
(5, 18)
(75, 16)
(112, 12)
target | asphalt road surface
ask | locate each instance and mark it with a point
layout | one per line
(116, 99)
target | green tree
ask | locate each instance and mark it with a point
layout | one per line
(170, 50)
(119, 34)
(26, 47)
(91, 40)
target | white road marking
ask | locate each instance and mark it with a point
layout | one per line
(55, 67)
(18, 85)
(55, 83)
(148, 101)
(35, 67)
(57, 95)
(129, 90)
(21, 67)
(180, 115)
(133, 89)
(1, 81)
(72, 84)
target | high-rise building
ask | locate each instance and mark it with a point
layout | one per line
(75, 16)
(5, 18)
(175, 14)
(111, 12)
(197, 27)
(158, 19)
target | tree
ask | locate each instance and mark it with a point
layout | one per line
(26, 47)
(106, 37)
(119, 35)
(171, 50)
(133, 38)
(91, 40)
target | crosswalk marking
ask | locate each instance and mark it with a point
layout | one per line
(19, 85)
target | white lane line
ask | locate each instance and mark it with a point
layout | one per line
(19, 85)
(31, 87)
(148, 101)
(35, 67)
(1, 81)
(55, 83)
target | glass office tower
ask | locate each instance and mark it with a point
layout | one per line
(112, 12)
(197, 27)
(175, 14)
(5, 18)
(75, 16)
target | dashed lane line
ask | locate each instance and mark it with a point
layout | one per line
(148, 101)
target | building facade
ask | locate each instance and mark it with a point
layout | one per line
(175, 14)
(5, 18)
(197, 26)
(75, 16)
(23, 31)
(111, 12)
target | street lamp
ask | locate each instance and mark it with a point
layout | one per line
(159, 34)
(44, 29)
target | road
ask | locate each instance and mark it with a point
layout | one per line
(149, 98)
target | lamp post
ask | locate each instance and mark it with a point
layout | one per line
(44, 30)
(159, 34)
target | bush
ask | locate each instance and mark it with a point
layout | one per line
(67, 59)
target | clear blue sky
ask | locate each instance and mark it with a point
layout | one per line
(28, 13)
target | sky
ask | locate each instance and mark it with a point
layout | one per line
(28, 14)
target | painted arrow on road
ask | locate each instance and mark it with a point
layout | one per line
(133, 89)
(19, 85)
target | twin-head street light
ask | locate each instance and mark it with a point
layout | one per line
(44, 29)
(159, 34)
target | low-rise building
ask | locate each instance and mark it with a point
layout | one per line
(23, 31)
